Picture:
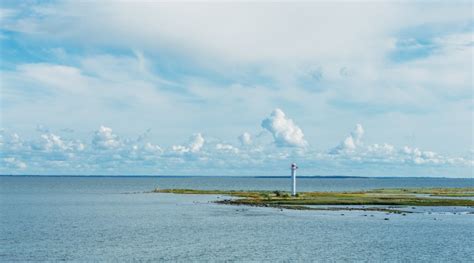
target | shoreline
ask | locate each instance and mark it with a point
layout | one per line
(393, 198)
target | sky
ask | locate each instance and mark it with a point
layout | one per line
(243, 88)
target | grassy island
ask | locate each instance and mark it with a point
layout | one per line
(307, 200)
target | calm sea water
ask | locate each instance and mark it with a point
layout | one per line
(112, 219)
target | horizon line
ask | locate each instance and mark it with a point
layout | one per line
(235, 176)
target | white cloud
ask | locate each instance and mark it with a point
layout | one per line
(180, 149)
(52, 142)
(153, 148)
(382, 149)
(262, 76)
(238, 55)
(59, 77)
(353, 150)
(226, 148)
(285, 132)
(351, 142)
(237, 31)
(357, 134)
(245, 138)
(104, 138)
(13, 162)
(6, 14)
(129, 156)
(348, 144)
(11, 141)
(196, 142)
(417, 156)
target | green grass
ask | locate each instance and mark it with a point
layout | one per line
(394, 197)
(448, 192)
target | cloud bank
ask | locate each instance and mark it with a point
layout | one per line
(107, 153)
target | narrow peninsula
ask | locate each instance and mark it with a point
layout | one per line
(383, 200)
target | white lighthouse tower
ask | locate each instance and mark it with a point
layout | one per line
(293, 179)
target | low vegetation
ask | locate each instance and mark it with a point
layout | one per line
(447, 192)
(306, 200)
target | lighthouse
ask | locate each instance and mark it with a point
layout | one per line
(293, 179)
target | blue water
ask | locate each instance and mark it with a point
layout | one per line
(112, 219)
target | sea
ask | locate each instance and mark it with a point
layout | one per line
(104, 219)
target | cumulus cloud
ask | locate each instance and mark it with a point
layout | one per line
(284, 131)
(226, 148)
(351, 149)
(53, 154)
(11, 141)
(383, 149)
(51, 141)
(357, 134)
(375, 86)
(180, 149)
(14, 163)
(104, 138)
(245, 138)
(351, 142)
(421, 157)
(153, 148)
(196, 142)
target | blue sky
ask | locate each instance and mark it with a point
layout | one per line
(368, 89)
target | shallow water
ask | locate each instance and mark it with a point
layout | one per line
(92, 219)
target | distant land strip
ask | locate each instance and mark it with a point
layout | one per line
(307, 200)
